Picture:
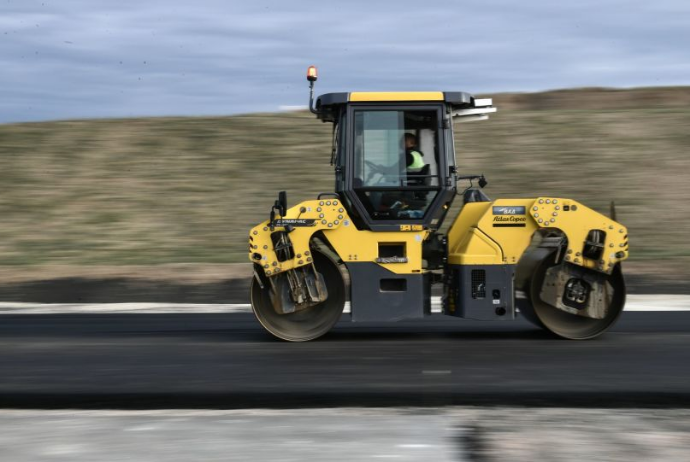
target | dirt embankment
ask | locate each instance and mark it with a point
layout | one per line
(595, 99)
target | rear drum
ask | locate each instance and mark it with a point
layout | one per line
(533, 269)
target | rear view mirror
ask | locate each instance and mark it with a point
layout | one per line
(282, 201)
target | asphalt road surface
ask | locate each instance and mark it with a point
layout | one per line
(228, 361)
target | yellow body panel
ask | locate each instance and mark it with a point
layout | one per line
(396, 96)
(477, 237)
(476, 225)
(351, 244)
(476, 248)
(510, 241)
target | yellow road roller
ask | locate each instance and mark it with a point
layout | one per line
(376, 241)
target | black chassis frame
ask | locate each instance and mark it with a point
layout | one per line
(436, 213)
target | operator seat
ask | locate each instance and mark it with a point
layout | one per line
(420, 178)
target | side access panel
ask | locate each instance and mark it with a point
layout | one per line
(379, 295)
(482, 292)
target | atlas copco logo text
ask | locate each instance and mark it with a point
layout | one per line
(509, 214)
(509, 210)
(509, 219)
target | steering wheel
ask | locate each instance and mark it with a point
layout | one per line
(375, 168)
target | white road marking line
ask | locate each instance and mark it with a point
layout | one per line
(657, 303)
(105, 308)
(635, 302)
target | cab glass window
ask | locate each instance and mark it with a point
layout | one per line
(396, 153)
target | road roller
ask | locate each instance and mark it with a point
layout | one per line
(376, 244)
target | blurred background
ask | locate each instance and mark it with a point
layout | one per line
(172, 198)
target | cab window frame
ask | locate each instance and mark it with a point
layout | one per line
(441, 159)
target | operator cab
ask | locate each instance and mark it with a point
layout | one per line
(393, 154)
(395, 173)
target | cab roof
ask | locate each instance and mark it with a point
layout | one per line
(327, 104)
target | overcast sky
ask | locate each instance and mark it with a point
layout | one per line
(119, 58)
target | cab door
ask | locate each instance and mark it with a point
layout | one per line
(396, 164)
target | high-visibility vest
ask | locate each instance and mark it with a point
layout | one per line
(417, 162)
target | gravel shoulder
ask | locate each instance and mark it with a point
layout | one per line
(355, 434)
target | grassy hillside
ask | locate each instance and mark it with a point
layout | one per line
(185, 190)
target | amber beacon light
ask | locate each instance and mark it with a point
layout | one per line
(312, 74)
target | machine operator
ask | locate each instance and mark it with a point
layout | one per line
(413, 156)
